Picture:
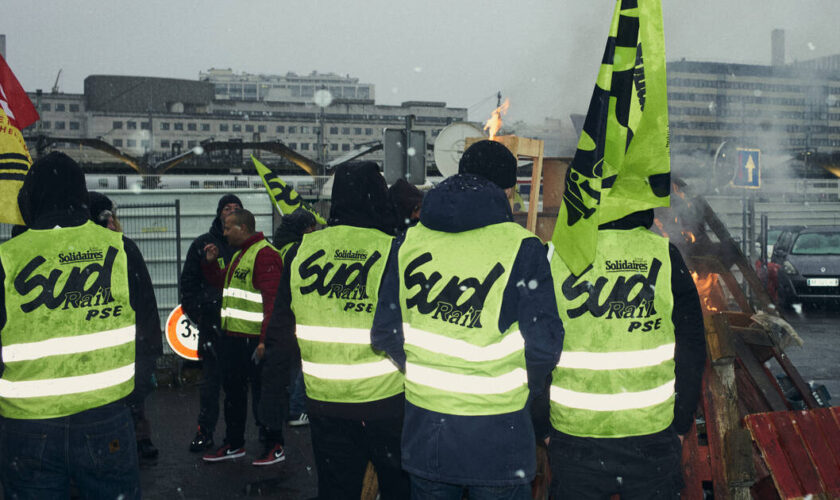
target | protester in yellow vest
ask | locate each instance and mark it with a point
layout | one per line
(249, 285)
(624, 392)
(467, 307)
(324, 311)
(74, 332)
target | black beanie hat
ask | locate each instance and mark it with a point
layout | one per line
(54, 184)
(98, 204)
(491, 160)
(224, 200)
(406, 197)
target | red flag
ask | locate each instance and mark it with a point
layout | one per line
(13, 99)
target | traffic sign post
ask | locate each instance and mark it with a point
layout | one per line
(748, 174)
(182, 334)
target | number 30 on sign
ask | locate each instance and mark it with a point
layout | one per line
(182, 334)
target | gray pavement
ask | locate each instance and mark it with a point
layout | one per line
(179, 474)
(818, 360)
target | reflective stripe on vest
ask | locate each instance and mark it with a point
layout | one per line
(68, 341)
(451, 289)
(335, 279)
(615, 377)
(242, 303)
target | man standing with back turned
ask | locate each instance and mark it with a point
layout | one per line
(467, 307)
(72, 333)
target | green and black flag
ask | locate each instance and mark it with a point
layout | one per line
(622, 163)
(284, 198)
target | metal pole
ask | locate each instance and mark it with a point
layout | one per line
(178, 240)
(764, 228)
(409, 121)
(751, 225)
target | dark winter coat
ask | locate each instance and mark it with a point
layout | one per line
(201, 301)
(453, 448)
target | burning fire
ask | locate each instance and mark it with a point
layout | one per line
(707, 286)
(689, 236)
(494, 124)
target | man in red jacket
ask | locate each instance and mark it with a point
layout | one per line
(249, 286)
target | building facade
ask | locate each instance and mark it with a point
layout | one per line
(158, 118)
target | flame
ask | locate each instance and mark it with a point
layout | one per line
(689, 236)
(706, 286)
(494, 124)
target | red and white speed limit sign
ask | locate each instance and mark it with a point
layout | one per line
(182, 334)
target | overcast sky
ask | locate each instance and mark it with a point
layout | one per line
(542, 54)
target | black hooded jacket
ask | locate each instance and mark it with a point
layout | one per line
(58, 196)
(448, 452)
(201, 301)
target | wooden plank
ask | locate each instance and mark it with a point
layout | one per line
(695, 466)
(753, 336)
(554, 183)
(827, 465)
(718, 339)
(798, 458)
(756, 372)
(536, 182)
(713, 433)
(803, 388)
(828, 420)
(764, 433)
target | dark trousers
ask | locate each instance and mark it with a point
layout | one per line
(209, 387)
(238, 372)
(424, 489)
(95, 449)
(273, 399)
(641, 467)
(342, 450)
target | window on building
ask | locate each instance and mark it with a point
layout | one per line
(131, 125)
(345, 147)
(368, 131)
(131, 143)
(192, 144)
(293, 129)
(316, 130)
(164, 143)
(304, 146)
(75, 125)
(60, 125)
(223, 127)
(164, 125)
(144, 125)
(333, 147)
(192, 127)
(118, 143)
(46, 125)
(178, 126)
(249, 128)
(357, 130)
(262, 129)
(205, 127)
(293, 145)
(74, 108)
(281, 129)
(333, 130)
(117, 125)
(237, 127)
(45, 106)
(345, 130)
(59, 106)
(304, 130)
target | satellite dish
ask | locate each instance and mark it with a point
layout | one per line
(449, 146)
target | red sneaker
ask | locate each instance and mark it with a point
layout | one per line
(226, 452)
(272, 455)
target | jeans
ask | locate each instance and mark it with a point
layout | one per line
(238, 372)
(209, 388)
(297, 394)
(342, 449)
(96, 449)
(424, 489)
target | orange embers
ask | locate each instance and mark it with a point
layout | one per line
(494, 124)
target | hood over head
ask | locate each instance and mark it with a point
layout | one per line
(98, 204)
(464, 202)
(292, 226)
(406, 198)
(216, 226)
(54, 193)
(360, 198)
(492, 160)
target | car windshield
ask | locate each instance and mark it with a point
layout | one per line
(817, 244)
(773, 235)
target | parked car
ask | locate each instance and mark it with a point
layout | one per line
(809, 264)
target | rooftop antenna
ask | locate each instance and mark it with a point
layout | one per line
(55, 85)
